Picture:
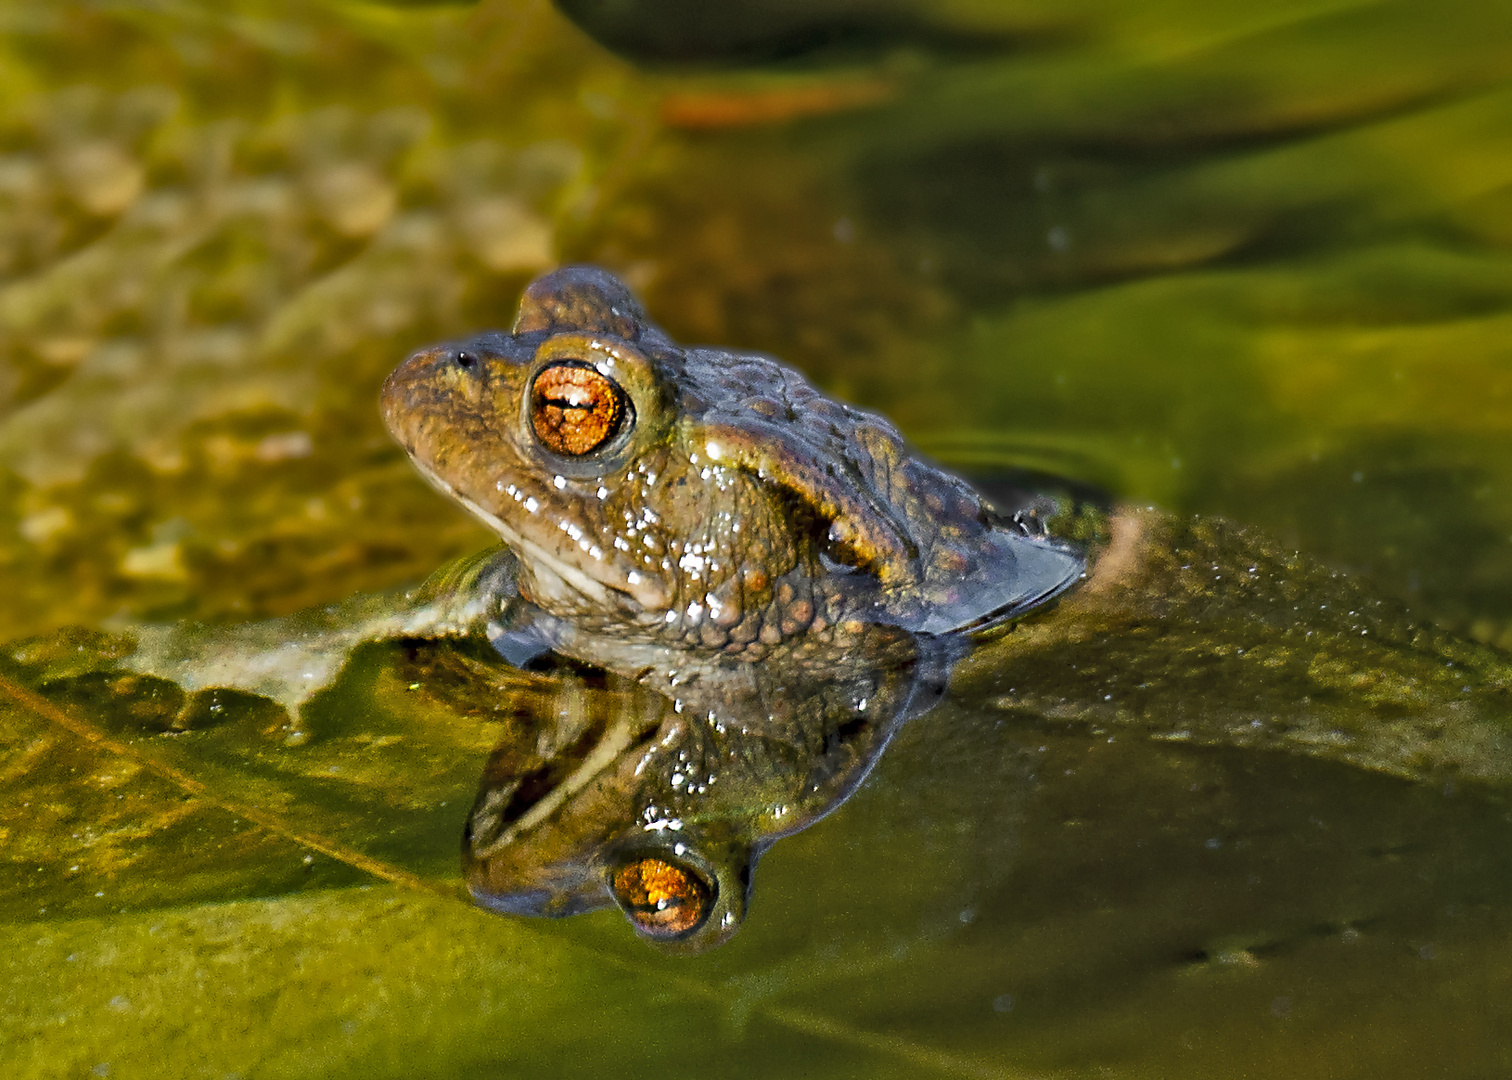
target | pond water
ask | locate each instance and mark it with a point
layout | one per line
(1218, 259)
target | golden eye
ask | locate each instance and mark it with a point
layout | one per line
(574, 409)
(662, 898)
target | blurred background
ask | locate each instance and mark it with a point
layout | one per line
(1225, 258)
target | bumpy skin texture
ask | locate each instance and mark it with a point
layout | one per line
(734, 509)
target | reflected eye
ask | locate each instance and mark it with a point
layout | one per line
(663, 898)
(575, 410)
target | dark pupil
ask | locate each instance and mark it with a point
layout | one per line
(466, 359)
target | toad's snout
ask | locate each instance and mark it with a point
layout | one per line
(440, 383)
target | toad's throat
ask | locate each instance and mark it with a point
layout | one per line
(551, 575)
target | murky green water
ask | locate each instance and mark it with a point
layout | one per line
(1226, 259)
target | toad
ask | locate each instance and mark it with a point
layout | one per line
(698, 502)
(778, 569)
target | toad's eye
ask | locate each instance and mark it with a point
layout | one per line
(575, 410)
(664, 899)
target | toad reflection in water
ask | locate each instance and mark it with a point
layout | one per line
(772, 584)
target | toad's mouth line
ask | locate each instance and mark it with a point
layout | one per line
(537, 558)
